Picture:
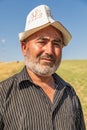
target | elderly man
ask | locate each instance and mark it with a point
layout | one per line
(37, 98)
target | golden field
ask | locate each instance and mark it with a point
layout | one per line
(73, 71)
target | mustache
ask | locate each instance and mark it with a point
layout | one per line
(47, 56)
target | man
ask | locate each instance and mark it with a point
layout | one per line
(37, 98)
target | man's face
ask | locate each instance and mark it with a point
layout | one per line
(43, 51)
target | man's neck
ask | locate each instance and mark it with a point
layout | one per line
(45, 82)
(41, 79)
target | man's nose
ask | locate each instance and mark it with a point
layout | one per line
(49, 48)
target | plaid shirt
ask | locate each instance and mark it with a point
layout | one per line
(25, 106)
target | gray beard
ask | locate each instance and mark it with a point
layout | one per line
(41, 70)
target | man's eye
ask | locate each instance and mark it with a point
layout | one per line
(41, 42)
(58, 44)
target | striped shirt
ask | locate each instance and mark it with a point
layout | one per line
(25, 106)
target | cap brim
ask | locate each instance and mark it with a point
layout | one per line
(66, 34)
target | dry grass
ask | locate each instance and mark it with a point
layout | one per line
(8, 69)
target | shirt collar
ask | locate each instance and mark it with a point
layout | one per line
(24, 76)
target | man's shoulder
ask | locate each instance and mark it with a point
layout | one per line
(8, 81)
(7, 84)
(13, 82)
(70, 91)
(14, 78)
(69, 88)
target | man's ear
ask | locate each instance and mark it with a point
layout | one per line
(23, 48)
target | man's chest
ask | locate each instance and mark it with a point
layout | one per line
(31, 109)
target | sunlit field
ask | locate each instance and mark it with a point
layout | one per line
(73, 71)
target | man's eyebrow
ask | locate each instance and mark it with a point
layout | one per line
(57, 40)
(54, 40)
(42, 38)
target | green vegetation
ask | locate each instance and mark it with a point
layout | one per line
(73, 71)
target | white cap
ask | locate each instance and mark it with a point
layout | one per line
(39, 18)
